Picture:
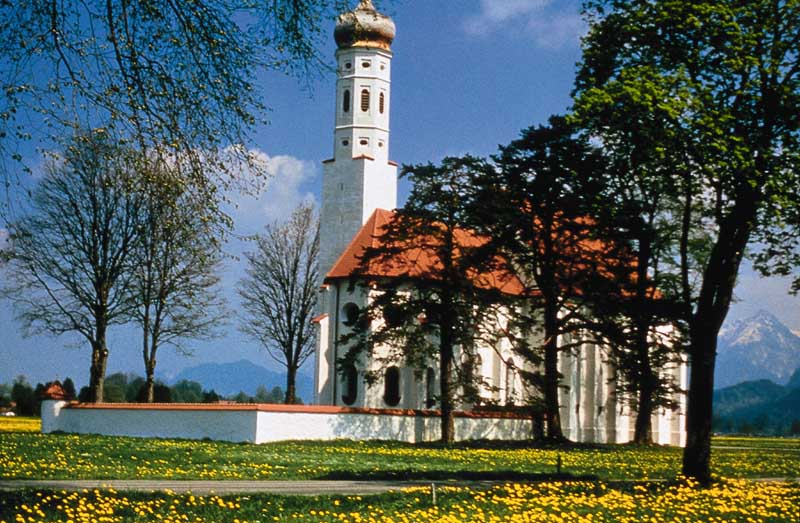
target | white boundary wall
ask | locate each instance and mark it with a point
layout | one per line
(262, 423)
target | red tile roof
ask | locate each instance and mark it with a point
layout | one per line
(417, 261)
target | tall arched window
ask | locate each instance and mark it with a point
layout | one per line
(346, 101)
(365, 100)
(430, 388)
(391, 386)
(511, 381)
(381, 102)
(350, 385)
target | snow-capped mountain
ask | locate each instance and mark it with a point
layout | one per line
(760, 347)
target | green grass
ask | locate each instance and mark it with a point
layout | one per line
(575, 502)
(25, 453)
(756, 442)
(20, 424)
(63, 456)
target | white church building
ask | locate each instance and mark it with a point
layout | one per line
(358, 194)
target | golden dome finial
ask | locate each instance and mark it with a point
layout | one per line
(364, 26)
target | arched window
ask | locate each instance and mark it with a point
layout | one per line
(346, 101)
(511, 381)
(350, 385)
(430, 388)
(351, 313)
(391, 386)
(365, 100)
(381, 102)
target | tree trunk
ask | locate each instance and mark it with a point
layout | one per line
(291, 387)
(643, 434)
(97, 371)
(552, 413)
(445, 382)
(149, 357)
(719, 279)
(697, 454)
(149, 384)
(537, 425)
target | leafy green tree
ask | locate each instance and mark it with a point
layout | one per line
(211, 396)
(187, 391)
(177, 255)
(434, 302)
(633, 208)
(69, 388)
(533, 207)
(70, 271)
(5, 396)
(733, 78)
(115, 388)
(279, 292)
(23, 396)
(275, 395)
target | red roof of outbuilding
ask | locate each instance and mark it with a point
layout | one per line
(419, 260)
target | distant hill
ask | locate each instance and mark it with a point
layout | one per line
(756, 348)
(794, 381)
(757, 406)
(228, 379)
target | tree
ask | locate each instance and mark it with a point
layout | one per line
(641, 142)
(534, 207)
(115, 388)
(70, 270)
(733, 73)
(172, 77)
(279, 293)
(69, 388)
(276, 395)
(433, 300)
(177, 252)
(23, 396)
(187, 391)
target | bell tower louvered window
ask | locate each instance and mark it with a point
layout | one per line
(365, 100)
(346, 101)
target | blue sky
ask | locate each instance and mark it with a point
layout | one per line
(467, 75)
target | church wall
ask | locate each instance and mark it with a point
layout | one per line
(265, 423)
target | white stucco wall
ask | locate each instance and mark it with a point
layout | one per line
(163, 422)
(261, 424)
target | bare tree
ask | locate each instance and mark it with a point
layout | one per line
(279, 293)
(178, 253)
(70, 255)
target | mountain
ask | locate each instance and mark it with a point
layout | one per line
(756, 348)
(757, 406)
(230, 378)
(794, 381)
(746, 395)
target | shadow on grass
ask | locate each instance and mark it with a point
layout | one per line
(455, 475)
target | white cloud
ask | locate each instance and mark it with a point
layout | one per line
(288, 182)
(551, 25)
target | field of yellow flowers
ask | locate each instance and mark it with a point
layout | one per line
(639, 497)
(562, 502)
(25, 454)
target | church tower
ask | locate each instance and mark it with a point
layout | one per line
(359, 178)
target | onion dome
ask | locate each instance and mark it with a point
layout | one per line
(364, 27)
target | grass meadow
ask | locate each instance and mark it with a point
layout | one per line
(607, 483)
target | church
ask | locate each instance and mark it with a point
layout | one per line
(359, 193)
